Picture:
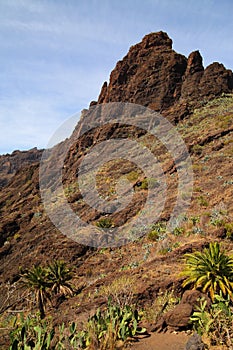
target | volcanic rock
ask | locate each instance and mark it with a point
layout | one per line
(193, 298)
(154, 75)
(179, 316)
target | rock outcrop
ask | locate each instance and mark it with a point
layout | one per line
(160, 87)
(11, 163)
(154, 75)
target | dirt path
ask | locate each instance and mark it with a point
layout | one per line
(162, 341)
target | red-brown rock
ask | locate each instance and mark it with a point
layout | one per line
(153, 74)
(179, 316)
(150, 74)
(193, 297)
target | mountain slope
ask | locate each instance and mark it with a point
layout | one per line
(200, 103)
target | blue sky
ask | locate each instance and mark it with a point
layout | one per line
(56, 54)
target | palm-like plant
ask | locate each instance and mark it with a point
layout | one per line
(36, 281)
(59, 276)
(210, 270)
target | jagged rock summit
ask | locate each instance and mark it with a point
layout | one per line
(154, 75)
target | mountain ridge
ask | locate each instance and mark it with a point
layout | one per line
(200, 103)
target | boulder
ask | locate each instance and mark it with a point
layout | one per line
(193, 296)
(179, 316)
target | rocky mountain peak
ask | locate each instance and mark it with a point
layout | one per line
(159, 39)
(194, 63)
(152, 74)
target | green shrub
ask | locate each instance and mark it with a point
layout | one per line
(210, 270)
(35, 280)
(153, 235)
(195, 220)
(158, 232)
(144, 184)
(229, 230)
(31, 333)
(104, 223)
(59, 276)
(202, 201)
(44, 282)
(103, 331)
(149, 182)
(107, 327)
(217, 222)
(133, 175)
(178, 231)
(215, 322)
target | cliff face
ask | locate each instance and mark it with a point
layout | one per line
(150, 74)
(153, 74)
(11, 163)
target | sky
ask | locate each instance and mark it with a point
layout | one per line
(56, 54)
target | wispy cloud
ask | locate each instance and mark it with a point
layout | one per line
(29, 118)
(55, 55)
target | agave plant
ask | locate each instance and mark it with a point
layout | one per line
(37, 282)
(59, 276)
(210, 270)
